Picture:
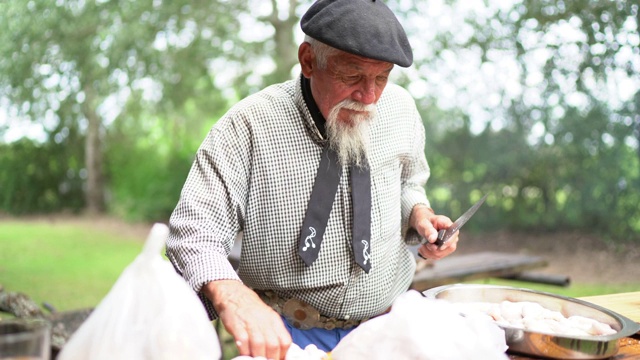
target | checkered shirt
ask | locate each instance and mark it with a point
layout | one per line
(254, 173)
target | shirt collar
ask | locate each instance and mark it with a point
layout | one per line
(313, 120)
(318, 119)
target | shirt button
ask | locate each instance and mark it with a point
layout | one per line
(347, 317)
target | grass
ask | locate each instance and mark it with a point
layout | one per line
(574, 290)
(67, 266)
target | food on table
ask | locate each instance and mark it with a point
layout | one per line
(532, 316)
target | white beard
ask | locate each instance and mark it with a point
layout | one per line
(350, 139)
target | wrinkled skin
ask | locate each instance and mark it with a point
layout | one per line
(256, 327)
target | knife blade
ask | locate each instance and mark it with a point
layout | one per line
(445, 234)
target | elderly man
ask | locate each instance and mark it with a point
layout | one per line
(325, 176)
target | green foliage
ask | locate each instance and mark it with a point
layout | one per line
(558, 151)
(85, 64)
(557, 146)
(145, 181)
(148, 157)
(145, 185)
(39, 177)
(585, 183)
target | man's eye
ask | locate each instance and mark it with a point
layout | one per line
(352, 79)
(382, 79)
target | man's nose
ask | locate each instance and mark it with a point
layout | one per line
(366, 94)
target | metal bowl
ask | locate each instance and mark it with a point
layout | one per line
(541, 344)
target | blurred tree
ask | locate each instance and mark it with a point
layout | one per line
(87, 64)
(539, 101)
(534, 101)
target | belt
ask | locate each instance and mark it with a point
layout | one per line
(302, 315)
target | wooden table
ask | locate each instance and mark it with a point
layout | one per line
(625, 304)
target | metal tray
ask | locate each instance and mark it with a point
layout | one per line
(540, 344)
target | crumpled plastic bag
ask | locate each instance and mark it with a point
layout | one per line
(149, 313)
(423, 329)
(295, 352)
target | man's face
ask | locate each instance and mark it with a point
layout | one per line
(349, 79)
(346, 92)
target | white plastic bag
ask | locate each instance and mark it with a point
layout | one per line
(149, 313)
(423, 329)
(295, 352)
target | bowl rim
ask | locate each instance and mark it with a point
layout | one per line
(628, 327)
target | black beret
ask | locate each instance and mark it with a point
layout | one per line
(366, 28)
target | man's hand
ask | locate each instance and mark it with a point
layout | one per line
(427, 224)
(256, 327)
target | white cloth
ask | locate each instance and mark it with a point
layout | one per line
(423, 329)
(254, 173)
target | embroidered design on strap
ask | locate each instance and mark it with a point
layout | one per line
(309, 239)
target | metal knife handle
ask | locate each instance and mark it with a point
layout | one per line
(439, 242)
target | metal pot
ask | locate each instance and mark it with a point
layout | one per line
(541, 344)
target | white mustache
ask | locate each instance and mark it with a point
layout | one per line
(356, 106)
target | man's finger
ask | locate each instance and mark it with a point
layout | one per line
(273, 344)
(272, 348)
(280, 339)
(242, 335)
(257, 345)
(428, 231)
(242, 343)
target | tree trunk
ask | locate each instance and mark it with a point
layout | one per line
(94, 194)
(286, 49)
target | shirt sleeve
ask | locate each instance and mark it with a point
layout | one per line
(210, 212)
(415, 174)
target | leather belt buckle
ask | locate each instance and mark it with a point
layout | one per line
(300, 314)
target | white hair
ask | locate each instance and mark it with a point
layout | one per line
(350, 138)
(321, 50)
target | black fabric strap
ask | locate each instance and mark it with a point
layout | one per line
(320, 204)
(361, 201)
(316, 115)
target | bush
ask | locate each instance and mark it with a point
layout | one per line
(39, 178)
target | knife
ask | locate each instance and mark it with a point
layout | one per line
(445, 234)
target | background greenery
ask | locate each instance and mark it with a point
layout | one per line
(533, 101)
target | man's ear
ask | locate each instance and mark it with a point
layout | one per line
(306, 59)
